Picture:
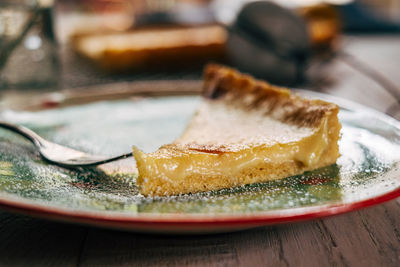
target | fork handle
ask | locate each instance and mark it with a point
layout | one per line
(23, 131)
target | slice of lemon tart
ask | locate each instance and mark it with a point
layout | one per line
(245, 131)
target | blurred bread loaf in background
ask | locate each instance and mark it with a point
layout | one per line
(160, 47)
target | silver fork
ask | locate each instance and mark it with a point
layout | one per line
(60, 155)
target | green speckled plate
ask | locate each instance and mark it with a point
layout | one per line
(367, 172)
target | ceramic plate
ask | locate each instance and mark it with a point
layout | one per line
(367, 172)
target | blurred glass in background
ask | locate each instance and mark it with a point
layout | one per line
(28, 52)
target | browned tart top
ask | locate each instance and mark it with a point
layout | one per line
(240, 112)
(246, 92)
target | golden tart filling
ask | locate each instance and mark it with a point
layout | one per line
(245, 131)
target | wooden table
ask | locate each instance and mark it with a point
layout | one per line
(369, 237)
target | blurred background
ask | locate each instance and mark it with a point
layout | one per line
(50, 46)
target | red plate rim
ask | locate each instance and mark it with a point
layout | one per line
(185, 222)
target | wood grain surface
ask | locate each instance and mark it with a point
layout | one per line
(370, 237)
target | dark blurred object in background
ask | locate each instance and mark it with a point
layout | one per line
(358, 18)
(269, 42)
